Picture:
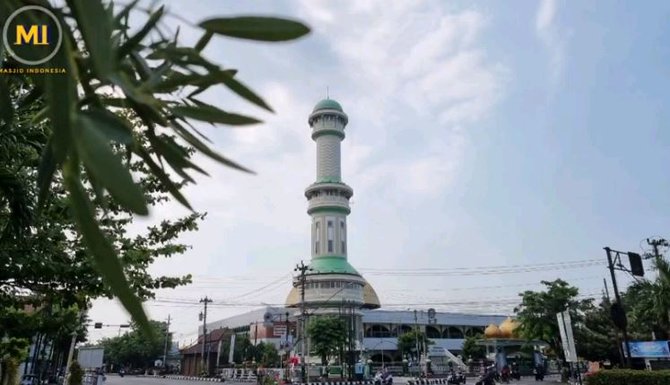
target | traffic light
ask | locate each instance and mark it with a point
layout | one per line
(636, 267)
(98, 325)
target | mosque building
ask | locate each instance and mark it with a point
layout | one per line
(332, 286)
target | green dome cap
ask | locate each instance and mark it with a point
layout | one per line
(327, 104)
(333, 265)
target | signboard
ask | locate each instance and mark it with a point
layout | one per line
(279, 330)
(89, 358)
(648, 349)
(567, 338)
(232, 349)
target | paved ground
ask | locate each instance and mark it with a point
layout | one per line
(135, 380)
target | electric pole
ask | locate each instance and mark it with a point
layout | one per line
(618, 306)
(204, 333)
(416, 337)
(655, 243)
(302, 279)
(167, 337)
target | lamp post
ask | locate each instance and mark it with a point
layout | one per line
(405, 361)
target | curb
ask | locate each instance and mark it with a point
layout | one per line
(189, 378)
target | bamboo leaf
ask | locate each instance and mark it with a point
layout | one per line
(109, 124)
(136, 39)
(6, 108)
(177, 80)
(256, 28)
(45, 172)
(212, 114)
(245, 92)
(107, 168)
(61, 98)
(95, 24)
(108, 264)
(204, 40)
(202, 147)
(165, 180)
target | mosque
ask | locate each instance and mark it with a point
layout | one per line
(332, 286)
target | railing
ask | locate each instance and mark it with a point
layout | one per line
(328, 200)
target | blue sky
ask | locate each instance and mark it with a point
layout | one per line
(480, 134)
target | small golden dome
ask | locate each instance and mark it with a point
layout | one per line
(492, 331)
(508, 327)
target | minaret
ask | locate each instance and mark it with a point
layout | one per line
(332, 282)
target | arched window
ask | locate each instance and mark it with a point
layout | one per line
(317, 237)
(455, 332)
(331, 236)
(343, 236)
(433, 332)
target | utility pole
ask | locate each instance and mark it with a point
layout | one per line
(73, 343)
(204, 333)
(655, 243)
(416, 336)
(302, 280)
(619, 304)
(167, 337)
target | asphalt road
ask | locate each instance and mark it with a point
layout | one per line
(149, 380)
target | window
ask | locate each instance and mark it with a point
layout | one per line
(343, 236)
(331, 236)
(317, 237)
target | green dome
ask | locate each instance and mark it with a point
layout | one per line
(332, 264)
(327, 104)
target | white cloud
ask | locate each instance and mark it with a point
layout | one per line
(552, 37)
(412, 78)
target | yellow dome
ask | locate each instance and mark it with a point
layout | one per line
(492, 331)
(508, 328)
(370, 298)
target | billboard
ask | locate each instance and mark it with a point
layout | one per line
(90, 357)
(567, 338)
(648, 349)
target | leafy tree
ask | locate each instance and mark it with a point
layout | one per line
(267, 355)
(135, 349)
(471, 350)
(158, 84)
(76, 374)
(407, 342)
(596, 336)
(326, 335)
(538, 309)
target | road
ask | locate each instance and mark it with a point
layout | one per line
(135, 380)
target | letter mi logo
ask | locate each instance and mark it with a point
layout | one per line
(36, 35)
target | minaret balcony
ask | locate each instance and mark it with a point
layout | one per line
(328, 201)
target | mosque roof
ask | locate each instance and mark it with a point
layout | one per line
(332, 265)
(328, 104)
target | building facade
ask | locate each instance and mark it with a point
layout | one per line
(380, 329)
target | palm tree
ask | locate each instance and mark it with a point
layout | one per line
(662, 293)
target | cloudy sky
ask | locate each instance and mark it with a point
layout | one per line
(479, 135)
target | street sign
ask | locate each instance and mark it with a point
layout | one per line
(279, 330)
(90, 357)
(648, 349)
(567, 338)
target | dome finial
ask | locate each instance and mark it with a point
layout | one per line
(327, 92)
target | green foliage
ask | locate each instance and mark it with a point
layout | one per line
(629, 377)
(327, 335)
(159, 84)
(407, 341)
(537, 312)
(76, 374)
(473, 351)
(596, 335)
(134, 349)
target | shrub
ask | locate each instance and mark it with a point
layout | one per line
(629, 377)
(76, 374)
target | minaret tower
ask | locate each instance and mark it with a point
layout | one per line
(332, 282)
